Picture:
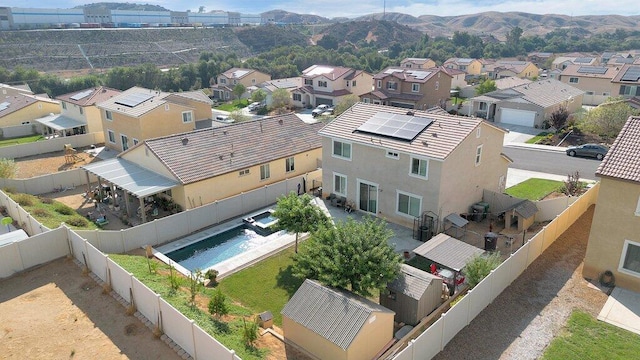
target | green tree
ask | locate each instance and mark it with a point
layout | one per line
(258, 95)
(218, 304)
(249, 331)
(352, 255)
(195, 278)
(7, 168)
(280, 99)
(238, 90)
(479, 266)
(345, 103)
(486, 86)
(607, 119)
(558, 118)
(297, 214)
(238, 116)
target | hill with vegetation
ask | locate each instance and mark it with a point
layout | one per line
(263, 38)
(381, 32)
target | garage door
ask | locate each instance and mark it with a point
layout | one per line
(518, 117)
(320, 101)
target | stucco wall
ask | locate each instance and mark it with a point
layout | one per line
(614, 222)
(30, 113)
(597, 85)
(364, 84)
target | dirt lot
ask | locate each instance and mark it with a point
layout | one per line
(54, 312)
(37, 165)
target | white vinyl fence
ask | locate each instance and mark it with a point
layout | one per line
(27, 222)
(35, 250)
(21, 130)
(51, 145)
(68, 179)
(438, 335)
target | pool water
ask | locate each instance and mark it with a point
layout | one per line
(265, 219)
(218, 248)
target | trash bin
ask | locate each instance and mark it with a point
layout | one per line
(424, 233)
(479, 209)
(490, 241)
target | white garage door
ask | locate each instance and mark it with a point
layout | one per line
(518, 117)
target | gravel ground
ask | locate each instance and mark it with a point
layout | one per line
(522, 321)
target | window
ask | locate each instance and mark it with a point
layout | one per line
(187, 117)
(419, 167)
(125, 142)
(109, 115)
(437, 85)
(135, 141)
(308, 82)
(589, 93)
(482, 106)
(415, 87)
(166, 107)
(409, 204)
(112, 136)
(297, 97)
(392, 85)
(392, 154)
(630, 260)
(289, 165)
(253, 81)
(64, 105)
(322, 83)
(366, 100)
(630, 90)
(243, 172)
(223, 81)
(478, 131)
(573, 80)
(637, 213)
(81, 110)
(353, 83)
(340, 184)
(235, 82)
(341, 149)
(379, 83)
(264, 172)
(478, 155)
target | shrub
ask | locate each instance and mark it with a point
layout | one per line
(9, 190)
(24, 199)
(46, 200)
(217, 304)
(63, 209)
(478, 267)
(78, 221)
(212, 275)
(41, 213)
(250, 331)
(7, 168)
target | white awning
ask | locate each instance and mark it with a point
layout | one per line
(59, 122)
(131, 177)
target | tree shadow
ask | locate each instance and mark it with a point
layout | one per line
(221, 326)
(287, 281)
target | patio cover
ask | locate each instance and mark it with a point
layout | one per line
(59, 122)
(448, 251)
(131, 177)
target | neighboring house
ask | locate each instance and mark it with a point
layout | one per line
(417, 63)
(400, 165)
(504, 69)
(470, 66)
(203, 166)
(457, 78)
(22, 109)
(529, 104)
(595, 81)
(627, 82)
(561, 62)
(9, 90)
(138, 114)
(539, 59)
(334, 324)
(413, 295)
(223, 89)
(614, 241)
(270, 86)
(324, 84)
(79, 115)
(411, 89)
(510, 82)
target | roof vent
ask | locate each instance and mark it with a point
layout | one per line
(280, 121)
(424, 142)
(224, 132)
(434, 135)
(185, 141)
(220, 157)
(410, 113)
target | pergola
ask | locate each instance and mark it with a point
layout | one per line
(133, 179)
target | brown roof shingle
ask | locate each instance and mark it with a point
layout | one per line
(98, 94)
(623, 158)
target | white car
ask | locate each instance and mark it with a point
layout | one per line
(319, 110)
(254, 106)
(224, 118)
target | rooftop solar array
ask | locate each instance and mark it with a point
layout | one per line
(240, 73)
(632, 74)
(583, 60)
(393, 70)
(319, 70)
(398, 126)
(133, 99)
(4, 105)
(592, 70)
(420, 75)
(81, 95)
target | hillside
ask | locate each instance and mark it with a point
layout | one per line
(263, 38)
(282, 16)
(383, 33)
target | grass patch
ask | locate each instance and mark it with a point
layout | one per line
(21, 140)
(586, 338)
(227, 331)
(535, 139)
(51, 213)
(234, 105)
(534, 189)
(267, 285)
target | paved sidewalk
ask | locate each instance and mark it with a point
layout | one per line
(622, 309)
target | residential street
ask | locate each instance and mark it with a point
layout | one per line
(550, 161)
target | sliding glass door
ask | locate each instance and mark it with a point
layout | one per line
(368, 197)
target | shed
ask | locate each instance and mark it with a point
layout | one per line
(521, 214)
(447, 251)
(455, 224)
(413, 295)
(335, 324)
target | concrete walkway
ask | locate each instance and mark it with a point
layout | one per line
(622, 309)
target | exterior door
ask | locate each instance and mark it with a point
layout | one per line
(368, 197)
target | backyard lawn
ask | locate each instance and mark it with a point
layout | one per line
(534, 189)
(537, 138)
(587, 338)
(234, 105)
(21, 140)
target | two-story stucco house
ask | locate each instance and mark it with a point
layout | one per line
(79, 113)
(223, 89)
(22, 109)
(399, 164)
(469, 66)
(508, 68)
(9, 90)
(417, 63)
(627, 82)
(138, 114)
(595, 81)
(323, 84)
(410, 88)
(614, 241)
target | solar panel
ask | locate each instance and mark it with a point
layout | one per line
(420, 75)
(399, 126)
(632, 74)
(81, 95)
(4, 105)
(133, 99)
(583, 60)
(592, 70)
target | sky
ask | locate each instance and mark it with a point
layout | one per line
(354, 8)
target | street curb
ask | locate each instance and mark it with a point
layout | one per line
(536, 147)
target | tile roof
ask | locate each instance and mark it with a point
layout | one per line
(449, 130)
(409, 74)
(330, 72)
(515, 66)
(237, 73)
(288, 83)
(14, 103)
(622, 160)
(448, 251)
(310, 90)
(544, 93)
(336, 315)
(623, 71)
(411, 282)
(18, 88)
(215, 151)
(155, 100)
(590, 71)
(93, 96)
(509, 82)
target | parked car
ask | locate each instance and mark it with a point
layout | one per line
(319, 110)
(328, 112)
(224, 119)
(254, 106)
(592, 150)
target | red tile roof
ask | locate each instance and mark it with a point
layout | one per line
(623, 158)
